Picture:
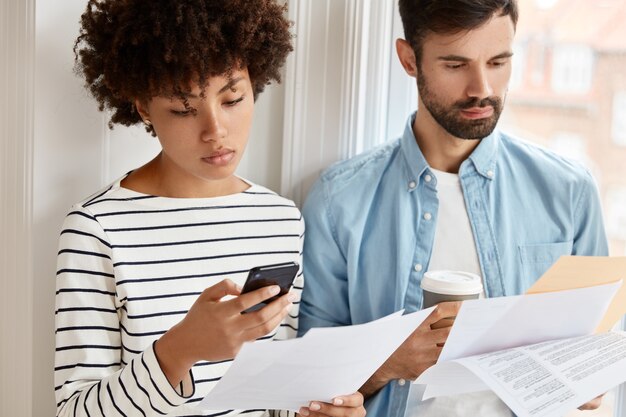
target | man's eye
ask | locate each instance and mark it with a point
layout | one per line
(454, 66)
(498, 63)
(234, 102)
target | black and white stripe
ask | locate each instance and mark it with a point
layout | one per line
(129, 268)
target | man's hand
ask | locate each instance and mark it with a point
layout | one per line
(593, 404)
(419, 352)
(346, 406)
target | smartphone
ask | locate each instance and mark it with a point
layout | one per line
(263, 276)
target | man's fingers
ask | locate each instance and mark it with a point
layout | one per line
(447, 322)
(423, 338)
(444, 310)
(593, 404)
(221, 290)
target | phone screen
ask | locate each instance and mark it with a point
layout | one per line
(263, 276)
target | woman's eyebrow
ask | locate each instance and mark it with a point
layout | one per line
(226, 87)
(230, 84)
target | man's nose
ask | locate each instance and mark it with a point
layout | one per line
(479, 85)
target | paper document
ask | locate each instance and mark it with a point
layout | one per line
(585, 271)
(534, 351)
(323, 364)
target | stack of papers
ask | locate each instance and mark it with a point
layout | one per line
(325, 363)
(537, 352)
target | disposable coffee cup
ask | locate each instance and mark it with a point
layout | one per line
(441, 286)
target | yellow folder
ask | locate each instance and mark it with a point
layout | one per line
(571, 272)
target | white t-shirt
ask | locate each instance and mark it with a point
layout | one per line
(454, 249)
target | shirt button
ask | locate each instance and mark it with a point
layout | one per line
(401, 382)
(428, 216)
(490, 174)
(428, 178)
(418, 267)
(412, 185)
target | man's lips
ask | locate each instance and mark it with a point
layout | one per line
(220, 158)
(477, 112)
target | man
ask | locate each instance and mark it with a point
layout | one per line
(451, 193)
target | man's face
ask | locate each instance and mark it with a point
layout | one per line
(463, 78)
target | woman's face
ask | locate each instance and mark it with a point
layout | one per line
(204, 142)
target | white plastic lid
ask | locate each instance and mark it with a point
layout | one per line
(452, 283)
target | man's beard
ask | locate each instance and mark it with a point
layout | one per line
(450, 119)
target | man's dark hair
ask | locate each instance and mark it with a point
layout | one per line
(421, 17)
(138, 49)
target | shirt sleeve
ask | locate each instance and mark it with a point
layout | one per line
(325, 301)
(590, 236)
(91, 377)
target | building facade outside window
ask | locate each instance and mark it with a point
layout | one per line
(572, 100)
(619, 118)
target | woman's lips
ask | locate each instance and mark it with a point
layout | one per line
(220, 158)
(477, 112)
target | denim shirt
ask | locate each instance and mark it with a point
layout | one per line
(370, 226)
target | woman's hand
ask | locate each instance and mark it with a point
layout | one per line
(215, 330)
(344, 406)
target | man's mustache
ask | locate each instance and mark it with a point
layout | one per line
(494, 102)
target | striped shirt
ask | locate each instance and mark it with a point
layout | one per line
(130, 266)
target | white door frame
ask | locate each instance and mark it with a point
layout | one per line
(337, 86)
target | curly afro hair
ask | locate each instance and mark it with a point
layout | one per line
(138, 49)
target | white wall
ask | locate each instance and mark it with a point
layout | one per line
(16, 308)
(75, 154)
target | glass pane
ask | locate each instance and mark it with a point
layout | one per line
(569, 94)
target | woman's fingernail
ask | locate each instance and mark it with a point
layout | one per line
(274, 289)
(303, 411)
(338, 401)
(315, 406)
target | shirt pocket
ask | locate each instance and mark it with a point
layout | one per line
(536, 259)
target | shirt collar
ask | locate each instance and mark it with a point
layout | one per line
(415, 161)
(483, 158)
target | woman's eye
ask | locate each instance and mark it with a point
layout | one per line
(183, 112)
(234, 102)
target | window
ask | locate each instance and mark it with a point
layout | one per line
(616, 212)
(572, 69)
(545, 4)
(570, 145)
(518, 66)
(551, 102)
(619, 118)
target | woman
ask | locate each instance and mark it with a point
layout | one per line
(143, 265)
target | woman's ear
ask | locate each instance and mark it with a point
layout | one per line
(407, 57)
(142, 109)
